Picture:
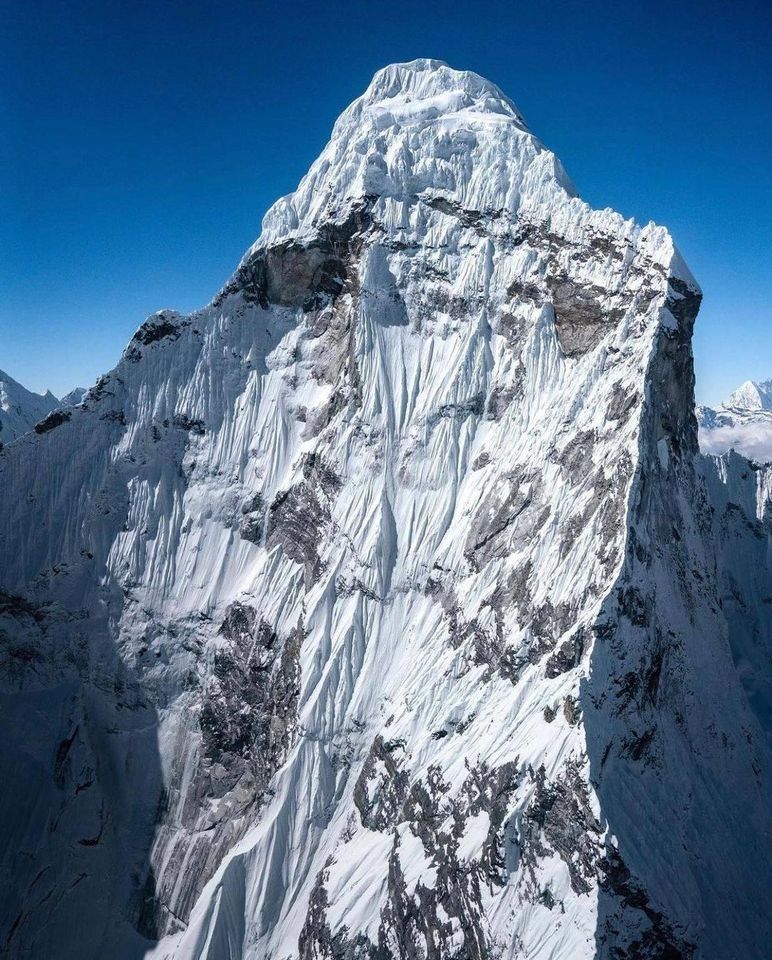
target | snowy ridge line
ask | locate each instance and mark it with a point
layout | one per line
(384, 606)
(20, 409)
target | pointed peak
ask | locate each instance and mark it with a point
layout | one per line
(424, 77)
(13, 388)
(751, 396)
(421, 127)
(74, 397)
(21, 408)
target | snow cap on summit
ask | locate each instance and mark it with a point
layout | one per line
(420, 128)
(751, 396)
(433, 80)
(423, 134)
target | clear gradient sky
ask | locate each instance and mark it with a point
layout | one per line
(141, 142)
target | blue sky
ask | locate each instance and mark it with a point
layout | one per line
(142, 142)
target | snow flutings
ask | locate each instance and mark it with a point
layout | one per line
(379, 608)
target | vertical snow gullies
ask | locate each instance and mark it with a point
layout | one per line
(384, 607)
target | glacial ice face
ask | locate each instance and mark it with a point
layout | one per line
(377, 608)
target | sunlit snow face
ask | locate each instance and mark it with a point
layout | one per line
(361, 525)
(422, 127)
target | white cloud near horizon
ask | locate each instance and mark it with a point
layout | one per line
(753, 440)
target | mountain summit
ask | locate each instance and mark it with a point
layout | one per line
(743, 422)
(384, 608)
(751, 396)
(421, 127)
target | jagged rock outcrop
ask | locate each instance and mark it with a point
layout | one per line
(384, 607)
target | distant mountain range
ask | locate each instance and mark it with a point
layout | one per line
(743, 422)
(21, 409)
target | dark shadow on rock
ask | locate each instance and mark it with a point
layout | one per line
(623, 756)
(81, 779)
(79, 755)
(676, 761)
(638, 668)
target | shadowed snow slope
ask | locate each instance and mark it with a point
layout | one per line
(379, 609)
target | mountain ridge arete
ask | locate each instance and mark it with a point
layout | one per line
(385, 607)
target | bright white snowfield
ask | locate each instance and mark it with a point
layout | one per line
(385, 608)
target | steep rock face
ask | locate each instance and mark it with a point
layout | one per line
(740, 493)
(379, 600)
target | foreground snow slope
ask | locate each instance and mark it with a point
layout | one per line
(377, 609)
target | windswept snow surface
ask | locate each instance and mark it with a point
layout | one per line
(377, 609)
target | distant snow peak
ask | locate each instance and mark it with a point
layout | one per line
(750, 396)
(21, 409)
(73, 397)
(743, 422)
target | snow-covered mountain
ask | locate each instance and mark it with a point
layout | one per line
(743, 422)
(751, 396)
(384, 607)
(20, 409)
(74, 397)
